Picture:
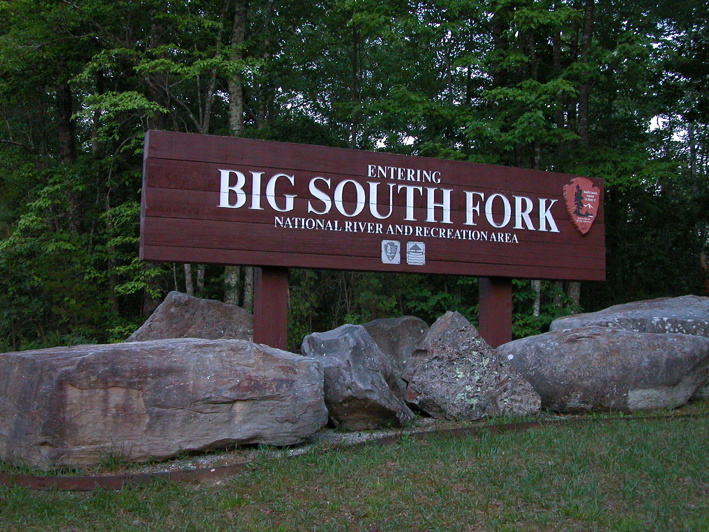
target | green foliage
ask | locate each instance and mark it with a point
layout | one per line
(44, 261)
(554, 303)
(534, 84)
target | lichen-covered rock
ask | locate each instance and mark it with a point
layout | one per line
(397, 338)
(357, 393)
(604, 368)
(183, 316)
(684, 315)
(455, 374)
(76, 406)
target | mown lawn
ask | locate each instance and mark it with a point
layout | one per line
(624, 474)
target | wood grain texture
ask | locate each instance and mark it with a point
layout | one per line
(181, 220)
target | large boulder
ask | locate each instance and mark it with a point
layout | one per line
(77, 406)
(455, 374)
(397, 338)
(604, 368)
(357, 393)
(686, 315)
(183, 316)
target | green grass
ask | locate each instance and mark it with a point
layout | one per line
(649, 474)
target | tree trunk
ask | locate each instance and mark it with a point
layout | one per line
(236, 124)
(355, 89)
(189, 286)
(249, 288)
(265, 87)
(66, 124)
(558, 291)
(206, 117)
(497, 28)
(537, 305)
(200, 279)
(232, 278)
(111, 265)
(559, 99)
(574, 293)
(585, 86)
(235, 83)
(96, 119)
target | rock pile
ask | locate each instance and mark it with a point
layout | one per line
(183, 383)
(449, 372)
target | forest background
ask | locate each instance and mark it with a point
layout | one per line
(604, 88)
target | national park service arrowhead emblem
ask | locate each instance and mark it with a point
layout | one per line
(582, 201)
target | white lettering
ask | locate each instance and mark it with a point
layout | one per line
(226, 189)
(374, 200)
(271, 193)
(319, 194)
(545, 216)
(522, 213)
(432, 205)
(256, 191)
(471, 207)
(403, 174)
(410, 200)
(507, 211)
(445, 205)
(339, 198)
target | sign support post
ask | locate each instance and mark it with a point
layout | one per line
(495, 314)
(271, 306)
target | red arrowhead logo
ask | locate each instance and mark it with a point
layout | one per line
(582, 201)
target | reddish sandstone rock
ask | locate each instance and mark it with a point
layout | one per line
(76, 406)
(183, 316)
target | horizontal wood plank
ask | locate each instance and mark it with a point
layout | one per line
(183, 220)
(242, 237)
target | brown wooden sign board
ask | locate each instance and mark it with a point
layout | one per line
(224, 200)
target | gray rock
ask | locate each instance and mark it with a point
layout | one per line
(604, 368)
(685, 315)
(701, 394)
(77, 406)
(357, 394)
(397, 338)
(455, 374)
(183, 316)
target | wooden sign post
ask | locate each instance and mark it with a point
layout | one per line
(271, 306)
(279, 205)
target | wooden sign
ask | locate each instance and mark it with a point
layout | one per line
(224, 200)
